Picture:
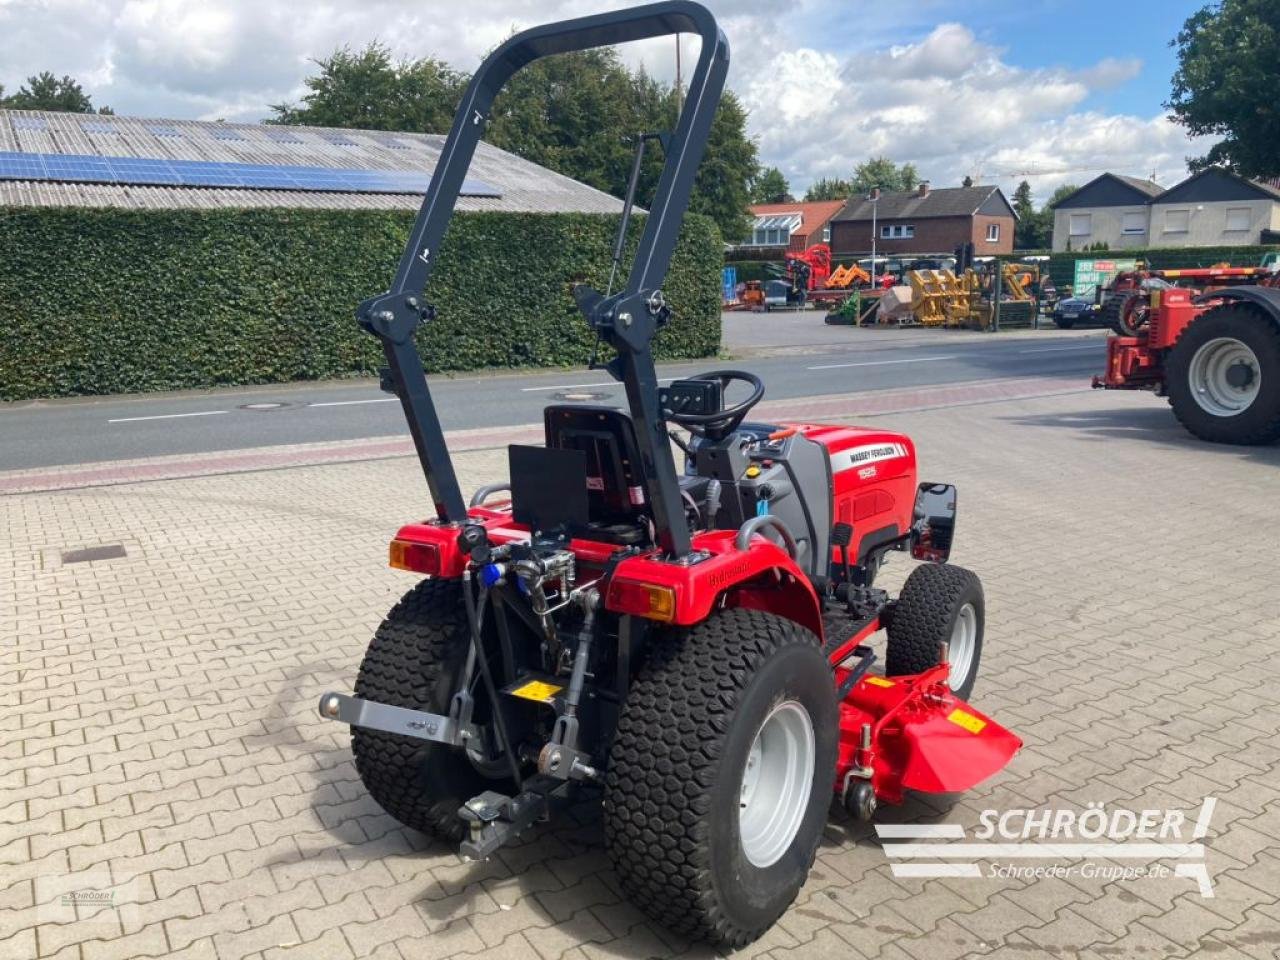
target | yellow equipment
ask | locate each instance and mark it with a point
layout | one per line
(941, 298)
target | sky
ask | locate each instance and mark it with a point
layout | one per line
(1051, 91)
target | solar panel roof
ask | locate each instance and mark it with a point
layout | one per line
(68, 168)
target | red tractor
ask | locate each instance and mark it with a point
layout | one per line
(1126, 300)
(689, 646)
(1214, 354)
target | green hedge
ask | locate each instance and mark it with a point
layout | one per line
(109, 301)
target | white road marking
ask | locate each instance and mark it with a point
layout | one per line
(878, 363)
(578, 386)
(167, 416)
(352, 403)
(1060, 349)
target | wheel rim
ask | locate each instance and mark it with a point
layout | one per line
(1225, 377)
(964, 639)
(776, 783)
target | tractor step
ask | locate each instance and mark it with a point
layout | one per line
(839, 628)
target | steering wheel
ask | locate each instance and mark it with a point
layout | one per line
(722, 422)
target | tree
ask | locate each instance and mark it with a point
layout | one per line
(1026, 234)
(44, 91)
(369, 91)
(770, 186)
(884, 173)
(824, 189)
(1035, 231)
(576, 113)
(1225, 84)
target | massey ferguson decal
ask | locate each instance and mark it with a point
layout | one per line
(865, 454)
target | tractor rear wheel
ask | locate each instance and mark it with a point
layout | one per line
(940, 603)
(721, 774)
(415, 660)
(1223, 376)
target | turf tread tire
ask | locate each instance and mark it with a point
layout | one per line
(671, 738)
(924, 615)
(412, 661)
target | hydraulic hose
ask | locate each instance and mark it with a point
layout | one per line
(475, 617)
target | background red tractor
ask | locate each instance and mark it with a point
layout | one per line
(1215, 353)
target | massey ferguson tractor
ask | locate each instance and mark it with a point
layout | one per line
(691, 647)
(1215, 353)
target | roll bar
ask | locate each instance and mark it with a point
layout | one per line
(627, 320)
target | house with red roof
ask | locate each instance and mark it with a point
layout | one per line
(792, 226)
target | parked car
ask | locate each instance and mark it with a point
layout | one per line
(1070, 311)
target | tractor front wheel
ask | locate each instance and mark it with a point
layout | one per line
(940, 603)
(721, 773)
(416, 660)
(1223, 376)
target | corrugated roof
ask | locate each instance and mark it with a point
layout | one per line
(525, 186)
(939, 202)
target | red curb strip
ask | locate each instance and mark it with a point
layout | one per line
(379, 448)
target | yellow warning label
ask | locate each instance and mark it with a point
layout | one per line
(879, 682)
(537, 690)
(962, 718)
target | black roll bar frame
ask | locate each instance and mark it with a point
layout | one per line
(627, 320)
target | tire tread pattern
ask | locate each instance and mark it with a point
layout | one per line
(408, 655)
(922, 616)
(663, 764)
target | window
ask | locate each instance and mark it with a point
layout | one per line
(1080, 224)
(897, 231)
(1134, 223)
(886, 232)
(1177, 221)
(1238, 218)
(826, 233)
(993, 232)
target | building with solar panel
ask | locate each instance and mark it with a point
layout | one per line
(86, 160)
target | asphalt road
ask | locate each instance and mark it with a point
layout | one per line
(116, 428)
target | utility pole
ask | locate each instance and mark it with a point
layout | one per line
(679, 86)
(874, 197)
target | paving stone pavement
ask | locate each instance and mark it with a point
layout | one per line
(160, 741)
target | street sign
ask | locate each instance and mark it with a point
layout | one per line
(1090, 274)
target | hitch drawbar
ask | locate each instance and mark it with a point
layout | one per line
(389, 719)
(912, 733)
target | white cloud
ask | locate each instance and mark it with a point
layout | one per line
(953, 106)
(947, 101)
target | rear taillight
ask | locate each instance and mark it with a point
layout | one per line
(642, 600)
(415, 557)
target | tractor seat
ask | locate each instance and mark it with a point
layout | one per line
(617, 499)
